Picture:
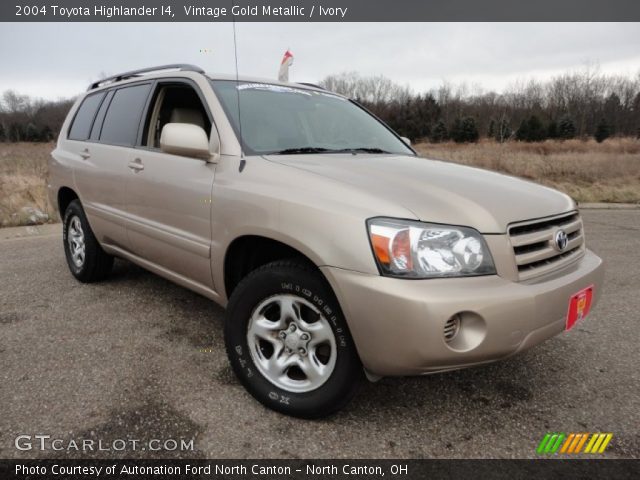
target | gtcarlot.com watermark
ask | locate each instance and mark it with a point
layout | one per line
(47, 442)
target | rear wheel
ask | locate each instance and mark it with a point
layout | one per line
(85, 257)
(288, 341)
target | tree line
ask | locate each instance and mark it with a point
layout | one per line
(24, 119)
(573, 105)
(578, 104)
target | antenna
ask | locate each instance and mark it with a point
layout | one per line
(235, 52)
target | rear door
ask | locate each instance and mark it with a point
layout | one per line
(169, 196)
(106, 153)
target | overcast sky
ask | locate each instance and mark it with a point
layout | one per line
(60, 59)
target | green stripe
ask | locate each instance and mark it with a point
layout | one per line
(543, 443)
(558, 443)
(550, 443)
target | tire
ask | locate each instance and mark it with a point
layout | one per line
(314, 376)
(90, 263)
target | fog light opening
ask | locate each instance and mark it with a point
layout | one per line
(451, 328)
(464, 331)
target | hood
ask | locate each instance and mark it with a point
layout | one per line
(436, 191)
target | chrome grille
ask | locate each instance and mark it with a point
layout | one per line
(535, 247)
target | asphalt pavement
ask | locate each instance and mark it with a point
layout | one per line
(136, 357)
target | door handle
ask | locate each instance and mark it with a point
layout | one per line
(85, 154)
(136, 165)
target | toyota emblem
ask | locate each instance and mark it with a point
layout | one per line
(561, 240)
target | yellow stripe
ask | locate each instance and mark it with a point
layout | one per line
(606, 442)
(596, 445)
(591, 442)
(574, 443)
(584, 439)
(567, 442)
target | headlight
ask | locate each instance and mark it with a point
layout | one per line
(423, 250)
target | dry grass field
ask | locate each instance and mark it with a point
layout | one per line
(23, 170)
(588, 171)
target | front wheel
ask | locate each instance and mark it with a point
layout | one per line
(288, 341)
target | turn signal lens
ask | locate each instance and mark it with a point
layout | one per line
(381, 248)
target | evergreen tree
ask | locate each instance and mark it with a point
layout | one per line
(566, 128)
(552, 129)
(522, 133)
(469, 130)
(492, 129)
(439, 132)
(603, 131)
(31, 133)
(455, 132)
(46, 134)
(464, 130)
(15, 133)
(427, 111)
(535, 130)
(612, 112)
(2, 133)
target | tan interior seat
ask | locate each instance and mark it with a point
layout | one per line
(187, 115)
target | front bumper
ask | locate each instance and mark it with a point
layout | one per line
(398, 325)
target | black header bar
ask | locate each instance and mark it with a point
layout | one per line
(319, 469)
(320, 11)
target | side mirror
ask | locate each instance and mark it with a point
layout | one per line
(406, 140)
(185, 139)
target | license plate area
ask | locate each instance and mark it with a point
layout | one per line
(579, 306)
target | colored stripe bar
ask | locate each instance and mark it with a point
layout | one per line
(572, 443)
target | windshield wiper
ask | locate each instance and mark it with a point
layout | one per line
(363, 150)
(291, 151)
(299, 150)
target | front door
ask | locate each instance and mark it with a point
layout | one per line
(169, 196)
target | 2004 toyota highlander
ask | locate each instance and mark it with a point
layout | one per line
(337, 251)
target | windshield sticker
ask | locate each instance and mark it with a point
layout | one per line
(272, 88)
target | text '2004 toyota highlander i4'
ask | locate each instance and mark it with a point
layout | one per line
(336, 250)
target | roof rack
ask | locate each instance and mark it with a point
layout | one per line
(184, 67)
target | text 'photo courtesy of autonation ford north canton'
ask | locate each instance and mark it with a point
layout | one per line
(333, 239)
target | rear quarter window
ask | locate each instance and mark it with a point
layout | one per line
(83, 120)
(120, 126)
(97, 123)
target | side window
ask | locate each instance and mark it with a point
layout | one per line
(174, 103)
(83, 120)
(120, 126)
(97, 123)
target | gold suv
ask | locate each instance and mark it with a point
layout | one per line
(337, 252)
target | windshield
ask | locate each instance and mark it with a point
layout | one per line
(289, 120)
